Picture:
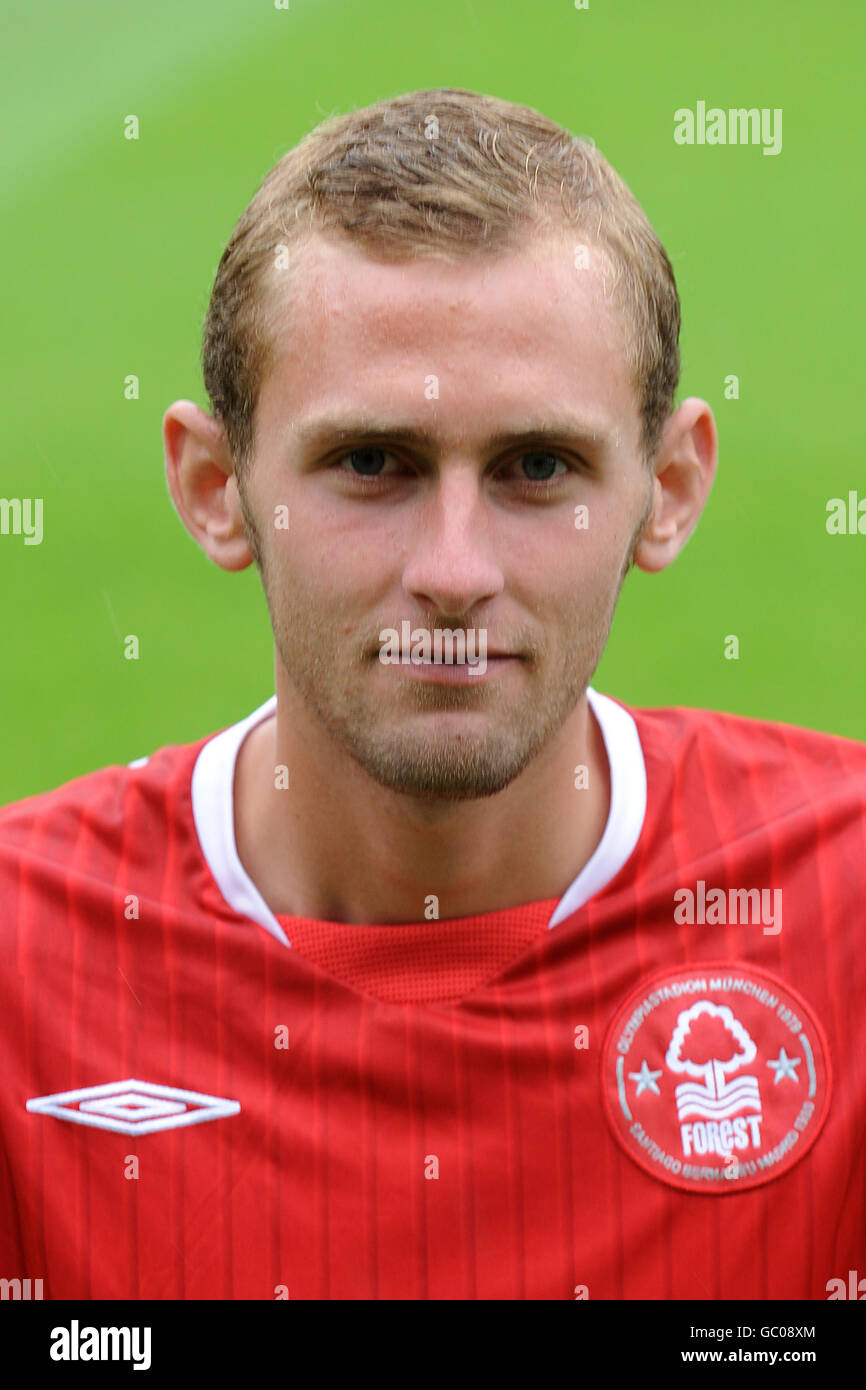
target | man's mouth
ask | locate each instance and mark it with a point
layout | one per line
(406, 655)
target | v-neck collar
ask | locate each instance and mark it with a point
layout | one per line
(213, 811)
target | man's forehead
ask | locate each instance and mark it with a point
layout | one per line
(328, 267)
(532, 322)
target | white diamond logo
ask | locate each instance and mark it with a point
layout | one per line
(133, 1107)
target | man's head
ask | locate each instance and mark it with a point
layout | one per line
(478, 307)
(434, 174)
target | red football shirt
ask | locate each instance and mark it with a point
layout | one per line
(654, 1087)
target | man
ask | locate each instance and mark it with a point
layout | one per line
(441, 975)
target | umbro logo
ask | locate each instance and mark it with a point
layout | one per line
(133, 1107)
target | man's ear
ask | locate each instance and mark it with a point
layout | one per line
(201, 480)
(684, 467)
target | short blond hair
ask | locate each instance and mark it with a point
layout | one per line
(439, 172)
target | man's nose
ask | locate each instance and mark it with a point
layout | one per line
(451, 565)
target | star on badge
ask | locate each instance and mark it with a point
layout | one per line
(646, 1079)
(784, 1066)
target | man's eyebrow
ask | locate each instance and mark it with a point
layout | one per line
(323, 430)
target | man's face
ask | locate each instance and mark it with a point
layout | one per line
(511, 372)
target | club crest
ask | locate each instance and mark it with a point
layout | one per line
(716, 1078)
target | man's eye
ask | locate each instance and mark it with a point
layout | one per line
(540, 467)
(365, 463)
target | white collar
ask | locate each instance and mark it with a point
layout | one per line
(213, 812)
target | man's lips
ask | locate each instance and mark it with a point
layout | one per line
(489, 654)
(405, 657)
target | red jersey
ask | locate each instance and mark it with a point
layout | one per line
(652, 1087)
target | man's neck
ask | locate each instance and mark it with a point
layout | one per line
(337, 846)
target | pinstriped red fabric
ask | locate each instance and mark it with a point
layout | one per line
(441, 1109)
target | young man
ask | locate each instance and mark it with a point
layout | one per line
(440, 978)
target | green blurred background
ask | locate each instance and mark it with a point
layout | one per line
(110, 250)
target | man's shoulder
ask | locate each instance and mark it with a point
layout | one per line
(101, 807)
(711, 743)
(688, 722)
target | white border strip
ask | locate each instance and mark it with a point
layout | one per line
(213, 810)
(627, 806)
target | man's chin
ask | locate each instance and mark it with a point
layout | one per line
(421, 786)
(443, 772)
